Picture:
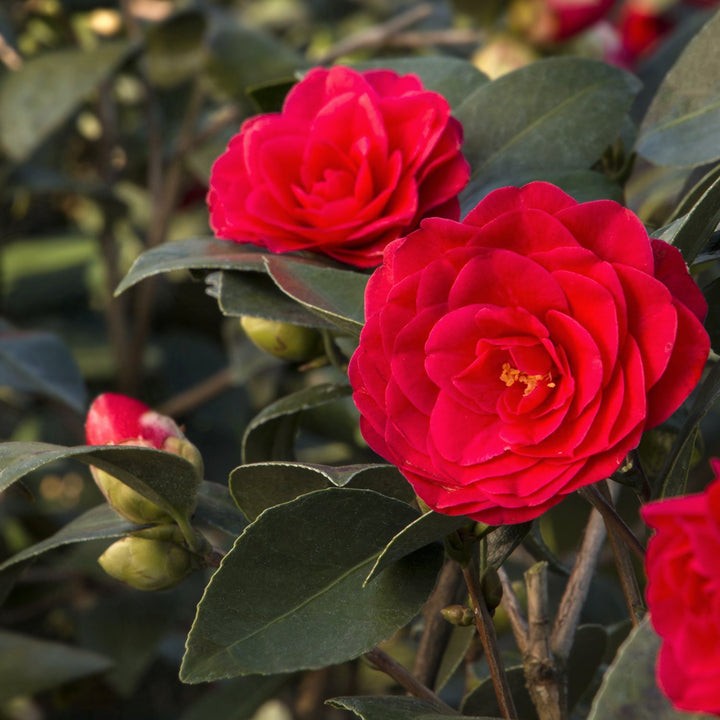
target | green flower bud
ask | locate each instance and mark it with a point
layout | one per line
(458, 615)
(185, 449)
(491, 587)
(146, 563)
(283, 340)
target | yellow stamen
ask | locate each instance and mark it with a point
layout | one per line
(511, 375)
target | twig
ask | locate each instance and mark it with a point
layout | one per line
(437, 630)
(607, 510)
(623, 562)
(428, 38)
(382, 661)
(188, 400)
(486, 630)
(577, 587)
(9, 56)
(377, 35)
(511, 605)
(544, 672)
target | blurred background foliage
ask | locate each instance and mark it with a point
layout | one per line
(111, 114)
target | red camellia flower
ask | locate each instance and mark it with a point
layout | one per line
(114, 419)
(514, 357)
(683, 596)
(353, 161)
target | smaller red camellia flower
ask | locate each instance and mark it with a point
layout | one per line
(353, 161)
(641, 28)
(515, 357)
(683, 596)
(548, 21)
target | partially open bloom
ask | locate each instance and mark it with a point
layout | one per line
(115, 419)
(683, 596)
(514, 357)
(353, 161)
(546, 21)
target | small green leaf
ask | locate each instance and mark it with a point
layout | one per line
(482, 698)
(217, 509)
(389, 707)
(682, 126)
(555, 115)
(270, 96)
(98, 523)
(691, 198)
(29, 666)
(455, 79)
(503, 540)
(428, 528)
(319, 547)
(250, 293)
(672, 479)
(455, 652)
(40, 363)
(336, 295)
(163, 478)
(629, 690)
(270, 434)
(67, 77)
(193, 254)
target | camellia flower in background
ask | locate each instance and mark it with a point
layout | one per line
(512, 358)
(683, 596)
(115, 419)
(551, 21)
(353, 161)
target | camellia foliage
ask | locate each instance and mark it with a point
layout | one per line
(398, 325)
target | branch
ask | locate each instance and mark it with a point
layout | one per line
(511, 605)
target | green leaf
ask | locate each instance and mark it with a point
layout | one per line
(695, 193)
(163, 478)
(482, 698)
(40, 363)
(217, 509)
(682, 126)
(29, 666)
(236, 699)
(28, 116)
(692, 232)
(319, 548)
(270, 96)
(270, 434)
(428, 528)
(175, 49)
(629, 690)
(672, 479)
(503, 540)
(392, 707)
(98, 523)
(251, 293)
(455, 79)
(455, 652)
(336, 295)
(193, 254)
(553, 116)
(586, 655)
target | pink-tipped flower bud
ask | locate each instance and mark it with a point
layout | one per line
(120, 420)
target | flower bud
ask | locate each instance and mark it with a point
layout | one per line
(458, 615)
(502, 54)
(283, 340)
(492, 588)
(549, 21)
(120, 420)
(146, 563)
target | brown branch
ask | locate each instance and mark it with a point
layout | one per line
(391, 667)
(486, 630)
(511, 605)
(188, 400)
(429, 38)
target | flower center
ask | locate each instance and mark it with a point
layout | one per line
(511, 375)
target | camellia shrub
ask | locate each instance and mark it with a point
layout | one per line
(403, 379)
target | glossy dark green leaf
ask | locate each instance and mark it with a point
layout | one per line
(166, 479)
(455, 653)
(712, 321)
(482, 699)
(691, 198)
(193, 254)
(40, 363)
(296, 573)
(556, 115)
(693, 231)
(270, 433)
(682, 126)
(255, 294)
(67, 77)
(503, 540)
(336, 295)
(428, 528)
(175, 48)
(98, 523)
(241, 57)
(235, 699)
(629, 690)
(217, 509)
(455, 79)
(390, 707)
(586, 655)
(29, 666)
(271, 96)
(672, 479)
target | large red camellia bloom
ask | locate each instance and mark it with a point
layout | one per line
(353, 161)
(683, 596)
(514, 357)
